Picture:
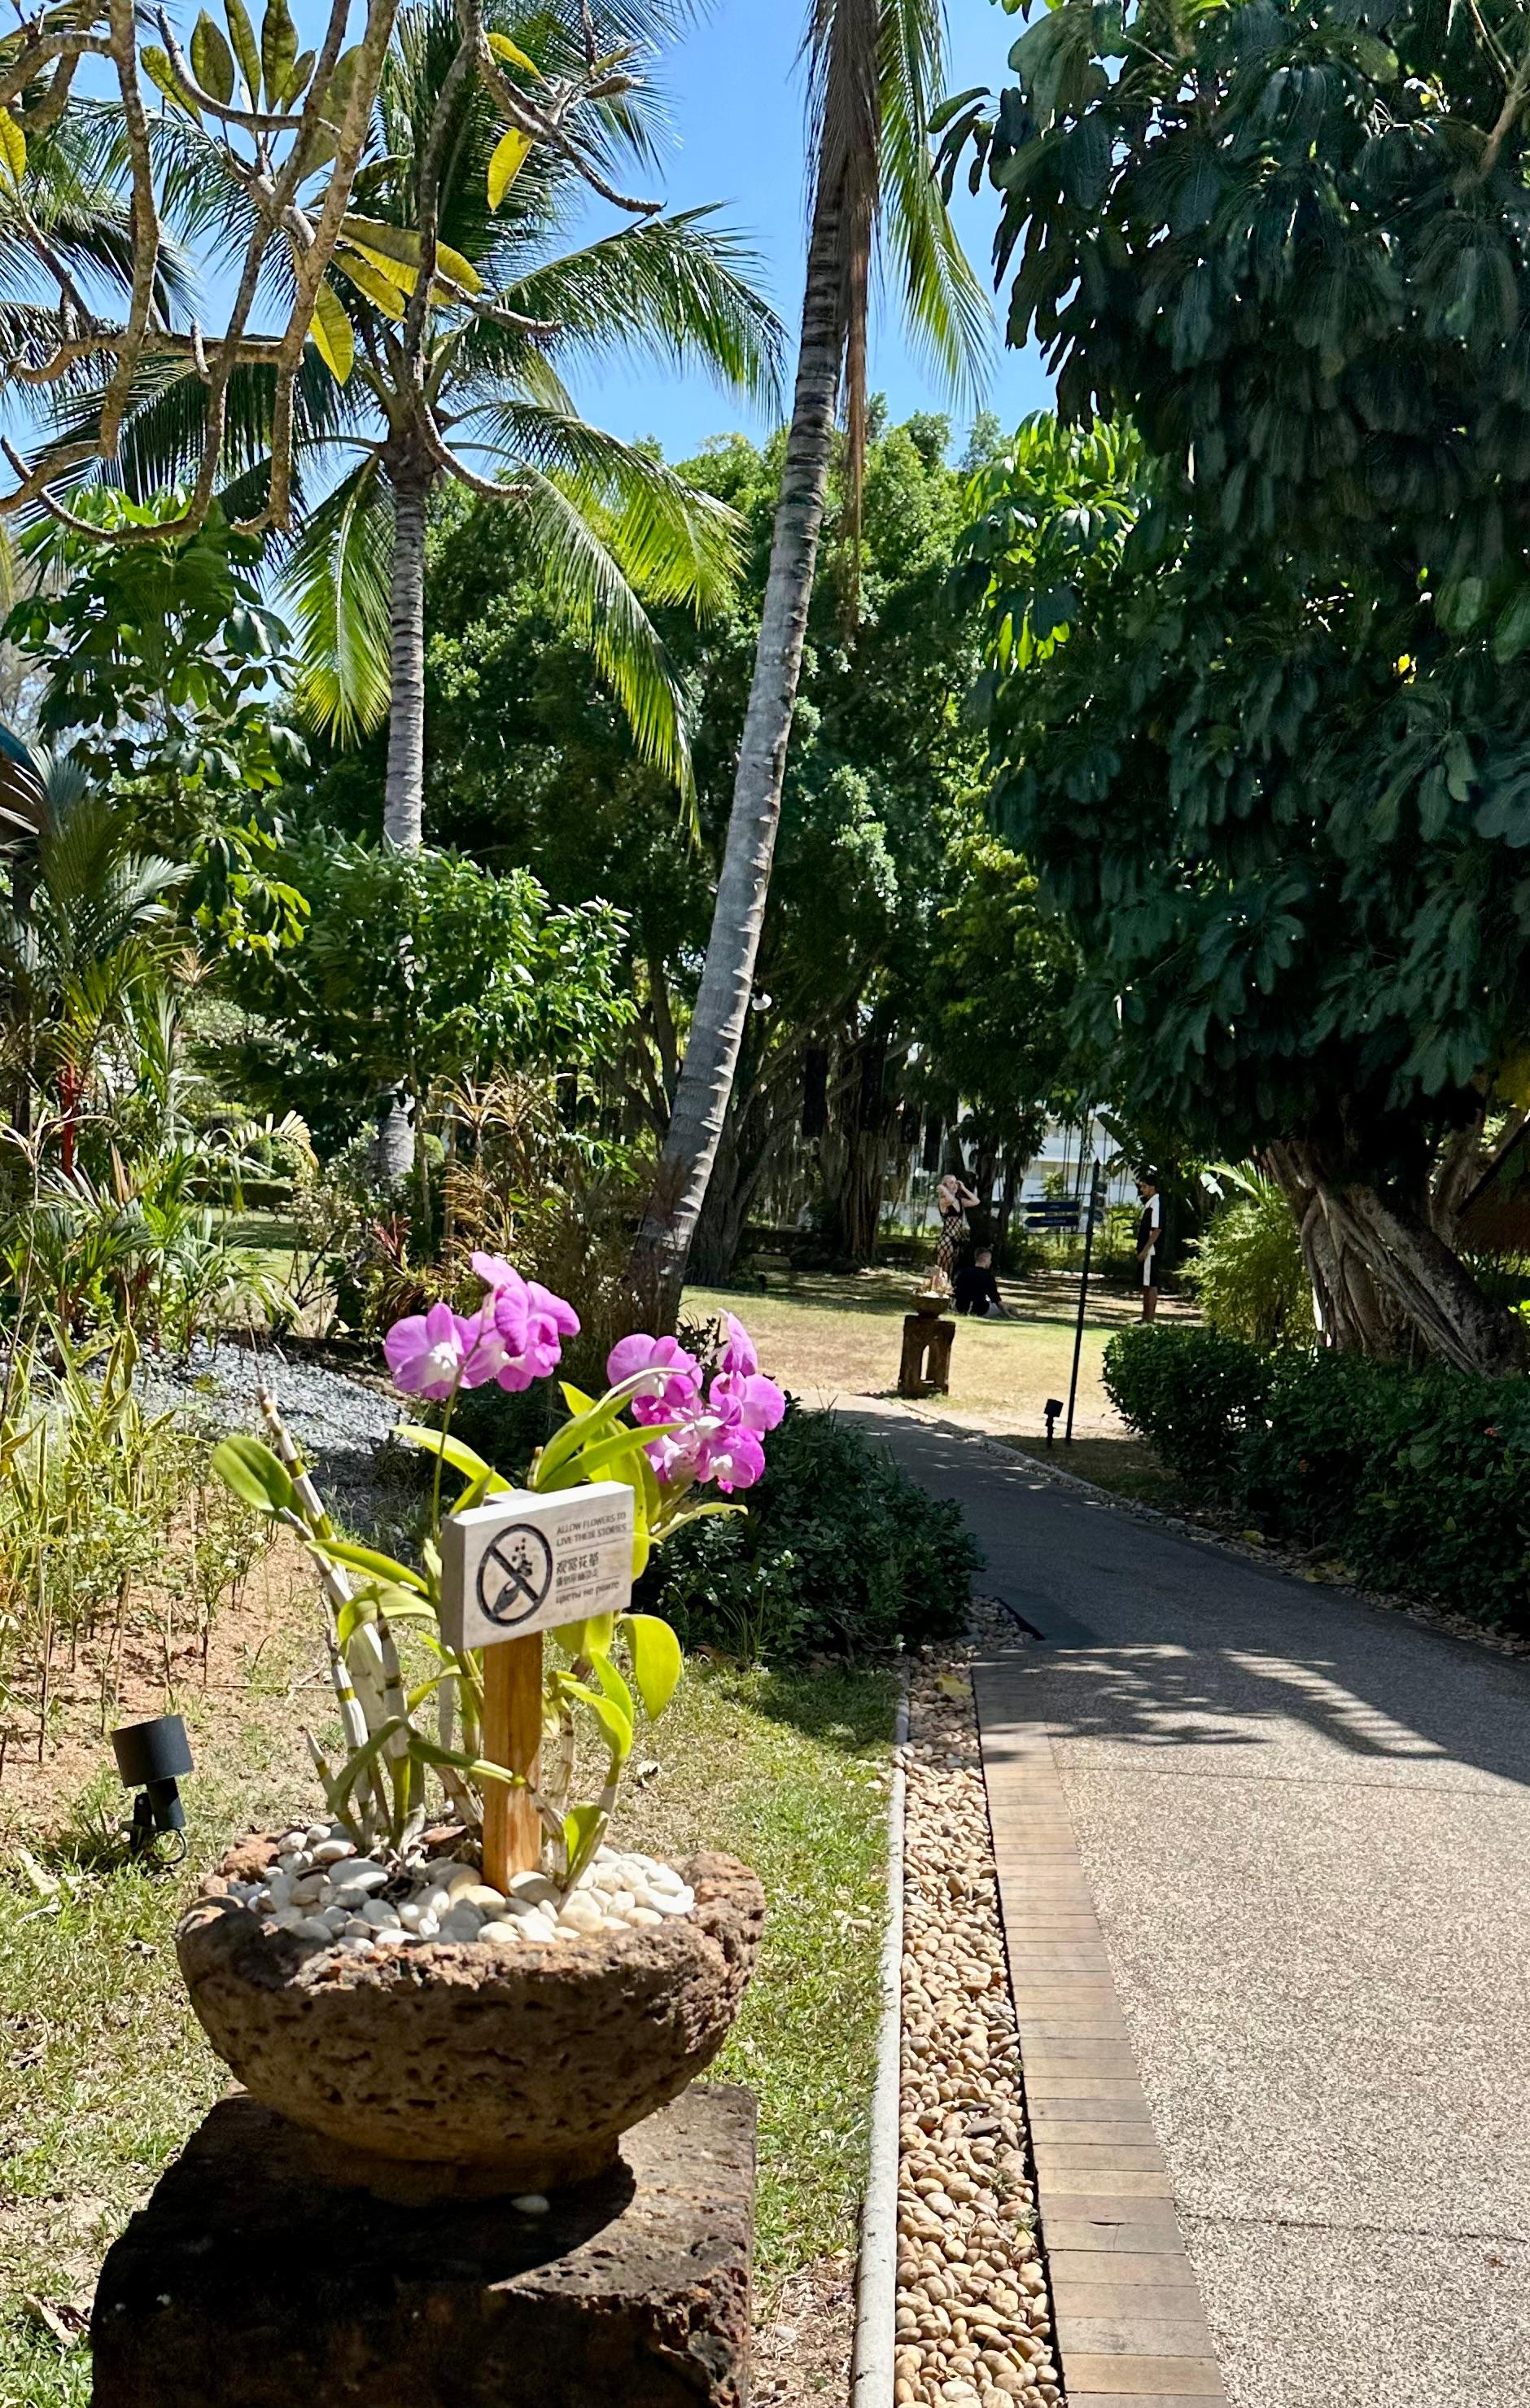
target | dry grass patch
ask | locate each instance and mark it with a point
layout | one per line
(828, 1335)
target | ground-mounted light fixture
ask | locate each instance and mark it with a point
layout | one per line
(1052, 1407)
(153, 1759)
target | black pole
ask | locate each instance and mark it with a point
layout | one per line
(1083, 1299)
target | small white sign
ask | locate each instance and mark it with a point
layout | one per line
(525, 1562)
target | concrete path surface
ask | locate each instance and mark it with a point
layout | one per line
(1304, 1826)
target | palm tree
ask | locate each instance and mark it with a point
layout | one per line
(479, 364)
(81, 938)
(876, 71)
(407, 371)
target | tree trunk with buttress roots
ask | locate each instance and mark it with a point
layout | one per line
(717, 1024)
(403, 794)
(1385, 1282)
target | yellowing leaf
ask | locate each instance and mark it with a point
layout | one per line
(510, 158)
(368, 278)
(12, 146)
(160, 73)
(503, 48)
(951, 1685)
(331, 332)
(212, 60)
(656, 1660)
(241, 34)
(399, 246)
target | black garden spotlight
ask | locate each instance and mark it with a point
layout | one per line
(1052, 1407)
(153, 1759)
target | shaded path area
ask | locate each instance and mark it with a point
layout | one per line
(1304, 1825)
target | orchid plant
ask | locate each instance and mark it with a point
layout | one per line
(659, 1428)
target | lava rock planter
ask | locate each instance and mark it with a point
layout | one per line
(489, 2069)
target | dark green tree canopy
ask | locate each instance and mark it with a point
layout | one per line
(1289, 240)
(1278, 774)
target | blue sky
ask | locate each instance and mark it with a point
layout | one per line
(736, 104)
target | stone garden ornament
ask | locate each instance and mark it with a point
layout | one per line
(408, 1973)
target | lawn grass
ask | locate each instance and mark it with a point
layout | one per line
(105, 2072)
(840, 1334)
(1125, 1465)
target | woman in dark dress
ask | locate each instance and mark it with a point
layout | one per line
(954, 1201)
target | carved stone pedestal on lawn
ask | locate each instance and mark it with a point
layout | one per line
(925, 1365)
(258, 2277)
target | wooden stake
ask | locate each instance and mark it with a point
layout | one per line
(512, 1735)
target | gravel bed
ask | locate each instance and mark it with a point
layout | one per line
(328, 1896)
(340, 1423)
(973, 2316)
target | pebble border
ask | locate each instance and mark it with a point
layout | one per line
(974, 2312)
(876, 2274)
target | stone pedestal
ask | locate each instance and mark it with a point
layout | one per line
(925, 1367)
(258, 2277)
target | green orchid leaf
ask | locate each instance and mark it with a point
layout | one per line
(367, 1559)
(477, 1767)
(255, 1475)
(614, 1687)
(584, 1827)
(617, 1726)
(593, 1637)
(450, 1450)
(657, 1662)
(607, 1459)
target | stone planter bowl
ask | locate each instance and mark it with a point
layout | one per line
(481, 2069)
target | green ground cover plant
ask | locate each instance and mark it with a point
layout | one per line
(1415, 1478)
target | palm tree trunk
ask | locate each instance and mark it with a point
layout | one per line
(403, 794)
(404, 798)
(717, 1025)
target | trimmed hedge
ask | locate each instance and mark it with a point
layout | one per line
(838, 1553)
(1419, 1481)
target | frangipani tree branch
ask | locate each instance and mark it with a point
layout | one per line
(274, 190)
(272, 148)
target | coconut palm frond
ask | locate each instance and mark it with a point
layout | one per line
(677, 288)
(672, 542)
(947, 308)
(596, 598)
(337, 579)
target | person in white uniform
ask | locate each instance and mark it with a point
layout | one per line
(1149, 1231)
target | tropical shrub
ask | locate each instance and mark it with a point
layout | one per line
(1417, 1480)
(837, 1550)
(1249, 1270)
(1190, 1393)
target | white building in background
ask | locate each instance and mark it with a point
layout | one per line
(1056, 1161)
(1058, 1156)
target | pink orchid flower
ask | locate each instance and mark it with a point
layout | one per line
(520, 1330)
(674, 1386)
(747, 1397)
(530, 1326)
(428, 1353)
(740, 1353)
(734, 1457)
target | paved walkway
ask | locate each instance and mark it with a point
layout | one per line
(1304, 1831)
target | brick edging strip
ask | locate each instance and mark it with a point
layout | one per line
(1129, 2327)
